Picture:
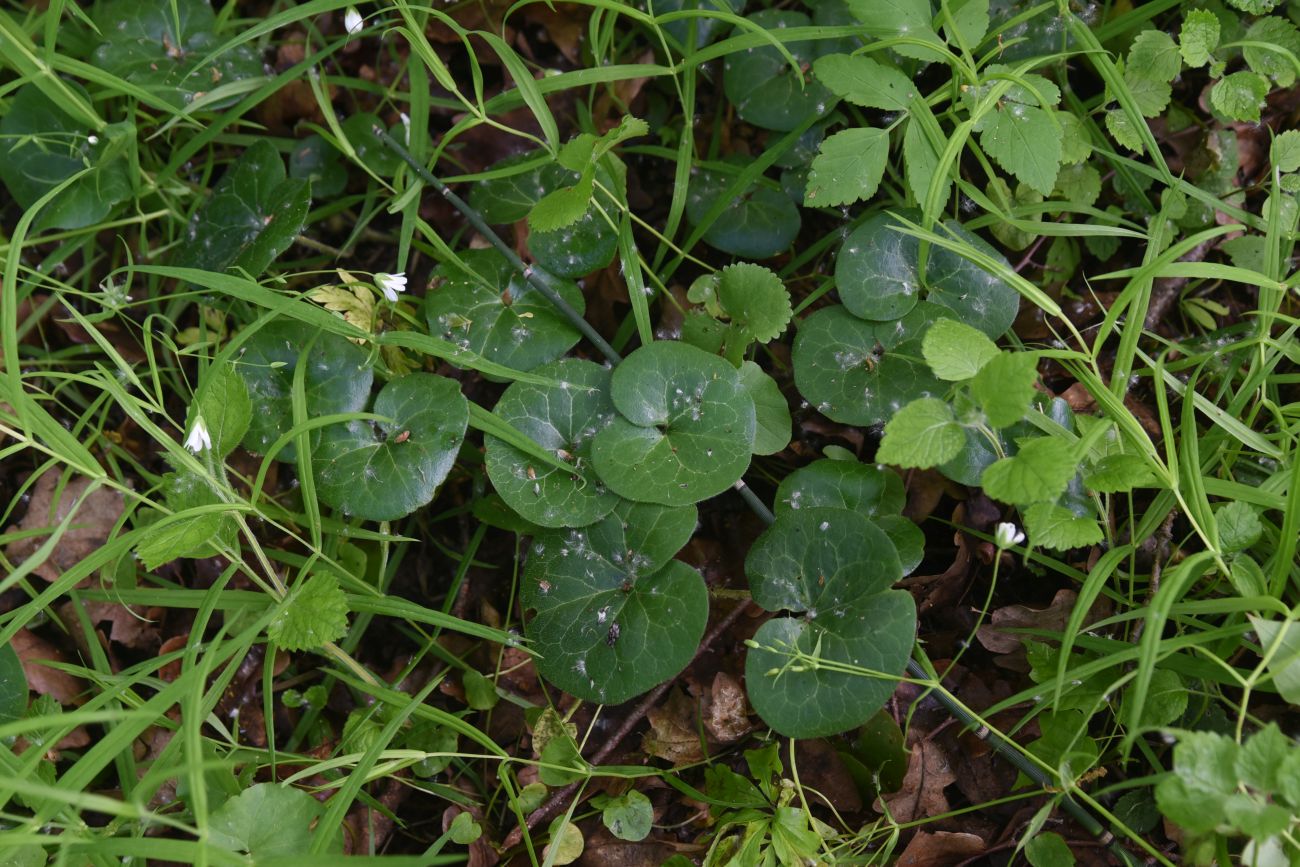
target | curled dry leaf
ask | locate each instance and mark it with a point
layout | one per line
(940, 849)
(36, 653)
(726, 716)
(999, 635)
(95, 518)
(673, 735)
(928, 773)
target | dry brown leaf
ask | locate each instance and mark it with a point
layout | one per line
(673, 735)
(928, 774)
(94, 520)
(997, 635)
(940, 849)
(34, 652)
(821, 767)
(726, 716)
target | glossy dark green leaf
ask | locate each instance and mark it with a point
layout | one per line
(871, 490)
(13, 685)
(385, 470)
(267, 820)
(757, 224)
(524, 179)
(563, 420)
(614, 614)
(337, 380)
(41, 147)
(771, 412)
(253, 215)
(164, 54)
(316, 161)
(859, 372)
(359, 129)
(832, 570)
(763, 87)
(707, 27)
(685, 429)
(492, 310)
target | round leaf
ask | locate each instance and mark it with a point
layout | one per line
(755, 299)
(763, 86)
(495, 312)
(976, 296)
(629, 816)
(771, 412)
(757, 224)
(863, 488)
(385, 470)
(563, 420)
(833, 568)
(686, 426)
(614, 614)
(585, 246)
(859, 372)
(337, 379)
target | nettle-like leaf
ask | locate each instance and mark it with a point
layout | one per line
(224, 406)
(1239, 96)
(495, 312)
(758, 223)
(685, 429)
(1060, 529)
(614, 614)
(253, 215)
(763, 87)
(865, 82)
(1038, 473)
(1004, 387)
(385, 470)
(1020, 131)
(832, 569)
(200, 535)
(871, 490)
(752, 297)
(164, 54)
(1152, 63)
(848, 168)
(878, 277)
(859, 372)
(955, 351)
(1274, 62)
(896, 18)
(1198, 37)
(313, 614)
(337, 379)
(563, 420)
(922, 434)
(41, 146)
(771, 412)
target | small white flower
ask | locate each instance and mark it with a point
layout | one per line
(199, 439)
(391, 284)
(406, 124)
(1008, 534)
(92, 140)
(352, 21)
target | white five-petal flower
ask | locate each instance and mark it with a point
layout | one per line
(1008, 534)
(199, 438)
(391, 284)
(352, 21)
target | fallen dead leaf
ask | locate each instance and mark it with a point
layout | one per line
(821, 766)
(94, 519)
(928, 774)
(673, 736)
(998, 636)
(726, 716)
(940, 849)
(35, 653)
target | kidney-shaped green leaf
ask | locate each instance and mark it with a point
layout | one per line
(337, 379)
(685, 430)
(495, 312)
(832, 569)
(385, 470)
(863, 488)
(758, 223)
(253, 216)
(860, 372)
(564, 420)
(763, 86)
(614, 615)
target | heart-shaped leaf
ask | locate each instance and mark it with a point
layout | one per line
(385, 470)
(495, 312)
(564, 420)
(859, 372)
(685, 430)
(764, 88)
(161, 51)
(832, 568)
(878, 278)
(614, 614)
(758, 223)
(41, 147)
(253, 216)
(337, 379)
(858, 487)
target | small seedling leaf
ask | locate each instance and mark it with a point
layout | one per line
(312, 615)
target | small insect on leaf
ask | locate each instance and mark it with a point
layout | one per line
(612, 637)
(402, 437)
(532, 474)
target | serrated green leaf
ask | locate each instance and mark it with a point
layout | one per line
(1153, 55)
(755, 299)
(629, 816)
(1239, 526)
(563, 207)
(763, 87)
(241, 823)
(1004, 387)
(1204, 776)
(1118, 473)
(872, 490)
(13, 685)
(1075, 146)
(1038, 473)
(1285, 664)
(1121, 126)
(834, 569)
(1240, 96)
(922, 161)
(1253, 7)
(1025, 141)
(1079, 184)
(1198, 37)
(224, 406)
(313, 614)
(1056, 527)
(1262, 757)
(848, 168)
(1277, 61)
(971, 18)
(955, 351)
(685, 430)
(384, 470)
(771, 412)
(866, 82)
(1012, 235)
(563, 420)
(1286, 151)
(922, 434)
(615, 615)
(1166, 700)
(893, 18)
